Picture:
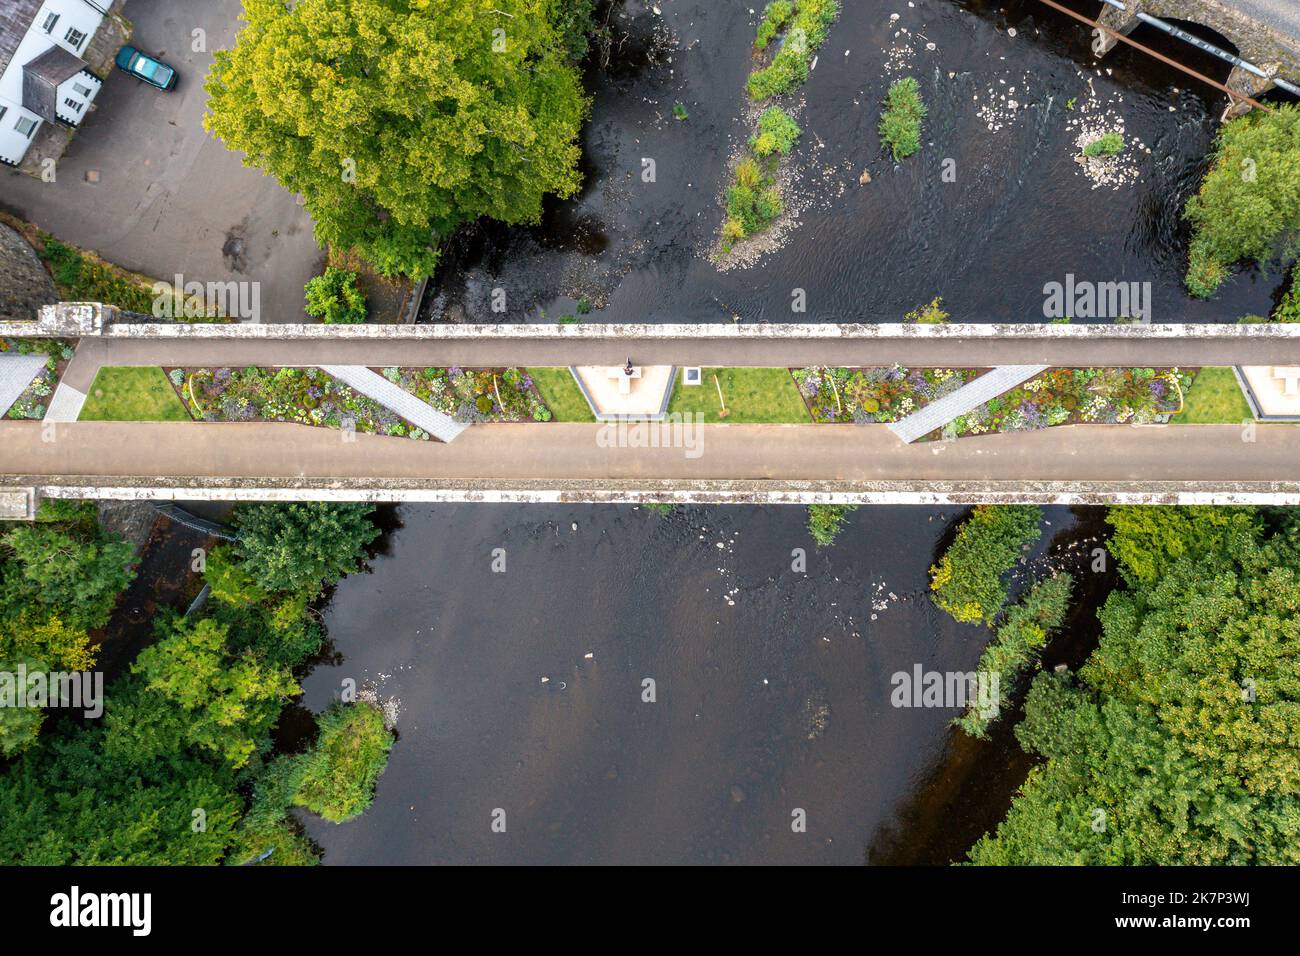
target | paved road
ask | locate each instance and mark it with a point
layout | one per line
(171, 199)
(557, 453)
(764, 352)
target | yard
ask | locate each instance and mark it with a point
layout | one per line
(750, 395)
(132, 394)
(1214, 399)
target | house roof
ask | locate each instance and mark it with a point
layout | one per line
(16, 18)
(41, 79)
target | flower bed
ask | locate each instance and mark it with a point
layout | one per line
(34, 400)
(474, 395)
(866, 395)
(1059, 396)
(309, 396)
(1067, 396)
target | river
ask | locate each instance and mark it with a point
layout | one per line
(1017, 214)
(772, 687)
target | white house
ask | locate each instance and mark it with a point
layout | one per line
(43, 78)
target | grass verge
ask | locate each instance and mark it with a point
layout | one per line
(561, 394)
(121, 394)
(752, 395)
(1214, 399)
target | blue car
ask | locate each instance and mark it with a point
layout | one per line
(146, 68)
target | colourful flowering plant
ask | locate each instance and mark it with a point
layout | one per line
(309, 396)
(1080, 395)
(874, 394)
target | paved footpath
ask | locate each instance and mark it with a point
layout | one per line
(574, 452)
(775, 352)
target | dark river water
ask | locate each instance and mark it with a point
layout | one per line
(772, 688)
(1018, 215)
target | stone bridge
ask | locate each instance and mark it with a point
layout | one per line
(1265, 33)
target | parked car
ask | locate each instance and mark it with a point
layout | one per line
(145, 68)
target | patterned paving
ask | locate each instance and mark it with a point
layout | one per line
(397, 400)
(969, 396)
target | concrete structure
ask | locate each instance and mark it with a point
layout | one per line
(1266, 34)
(611, 394)
(1273, 392)
(43, 76)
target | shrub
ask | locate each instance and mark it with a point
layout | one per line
(931, 314)
(337, 775)
(1107, 145)
(826, 521)
(1248, 207)
(335, 298)
(775, 16)
(808, 28)
(967, 581)
(1018, 642)
(900, 124)
(83, 278)
(1288, 310)
(777, 132)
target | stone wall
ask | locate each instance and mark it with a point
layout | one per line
(612, 491)
(25, 286)
(74, 319)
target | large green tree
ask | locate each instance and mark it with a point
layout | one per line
(399, 119)
(1248, 207)
(1179, 740)
(303, 546)
(56, 570)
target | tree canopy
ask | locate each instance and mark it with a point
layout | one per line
(1177, 741)
(1248, 207)
(397, 120)
(303, 546)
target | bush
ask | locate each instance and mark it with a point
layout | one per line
(777, 132)
(1248, 207)
(335, 298)
(83, 278)
(1288, 310)
(775, 16)
(967, 581)
(900, 124)
(826, 521)
(1018, 642)
(338, 775)
(1107, 145)
(807, 31)
(932, 314)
